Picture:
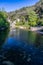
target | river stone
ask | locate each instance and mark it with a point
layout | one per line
(29, 59)
(7, 63)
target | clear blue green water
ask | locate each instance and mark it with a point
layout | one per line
(22, 48)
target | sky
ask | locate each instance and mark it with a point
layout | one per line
(12, 5)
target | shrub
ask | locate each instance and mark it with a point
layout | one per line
(4, 24)
(33, 18)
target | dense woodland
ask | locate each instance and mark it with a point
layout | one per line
(32, 15)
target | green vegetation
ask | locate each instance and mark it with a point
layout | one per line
(40, 22)
(31, 20)
(3, 21)
(4, 27)
(29, 16)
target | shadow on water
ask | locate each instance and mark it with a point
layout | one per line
(39, 40)
(22, 48)
(3, 36)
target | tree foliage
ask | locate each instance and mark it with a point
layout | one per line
(33, 14)
(3, 21)
(33, 18)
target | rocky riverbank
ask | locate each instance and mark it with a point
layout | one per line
(30, 28)
(36, 29)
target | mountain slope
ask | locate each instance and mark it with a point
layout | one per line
(38, 8)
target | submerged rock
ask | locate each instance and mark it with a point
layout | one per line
(29, 59)
(7, 63)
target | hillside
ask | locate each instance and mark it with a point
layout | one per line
(20, 12)
(38, 8)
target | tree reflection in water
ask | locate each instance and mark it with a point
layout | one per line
(39, 40)
(3, 36)
(16, 52)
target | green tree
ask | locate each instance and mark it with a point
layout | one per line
(4, 24)
(40, 22)
(22, 20)
(32, 18)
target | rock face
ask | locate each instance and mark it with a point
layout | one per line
(36, 28)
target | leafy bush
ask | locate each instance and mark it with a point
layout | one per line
(19, 23)
(40, 22)
(4, 24)
(33, 18)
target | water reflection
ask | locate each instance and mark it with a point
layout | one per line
(23, 48)
(3, 35)
(39, 40)
(22, 54)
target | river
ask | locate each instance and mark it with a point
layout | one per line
(22, 47)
